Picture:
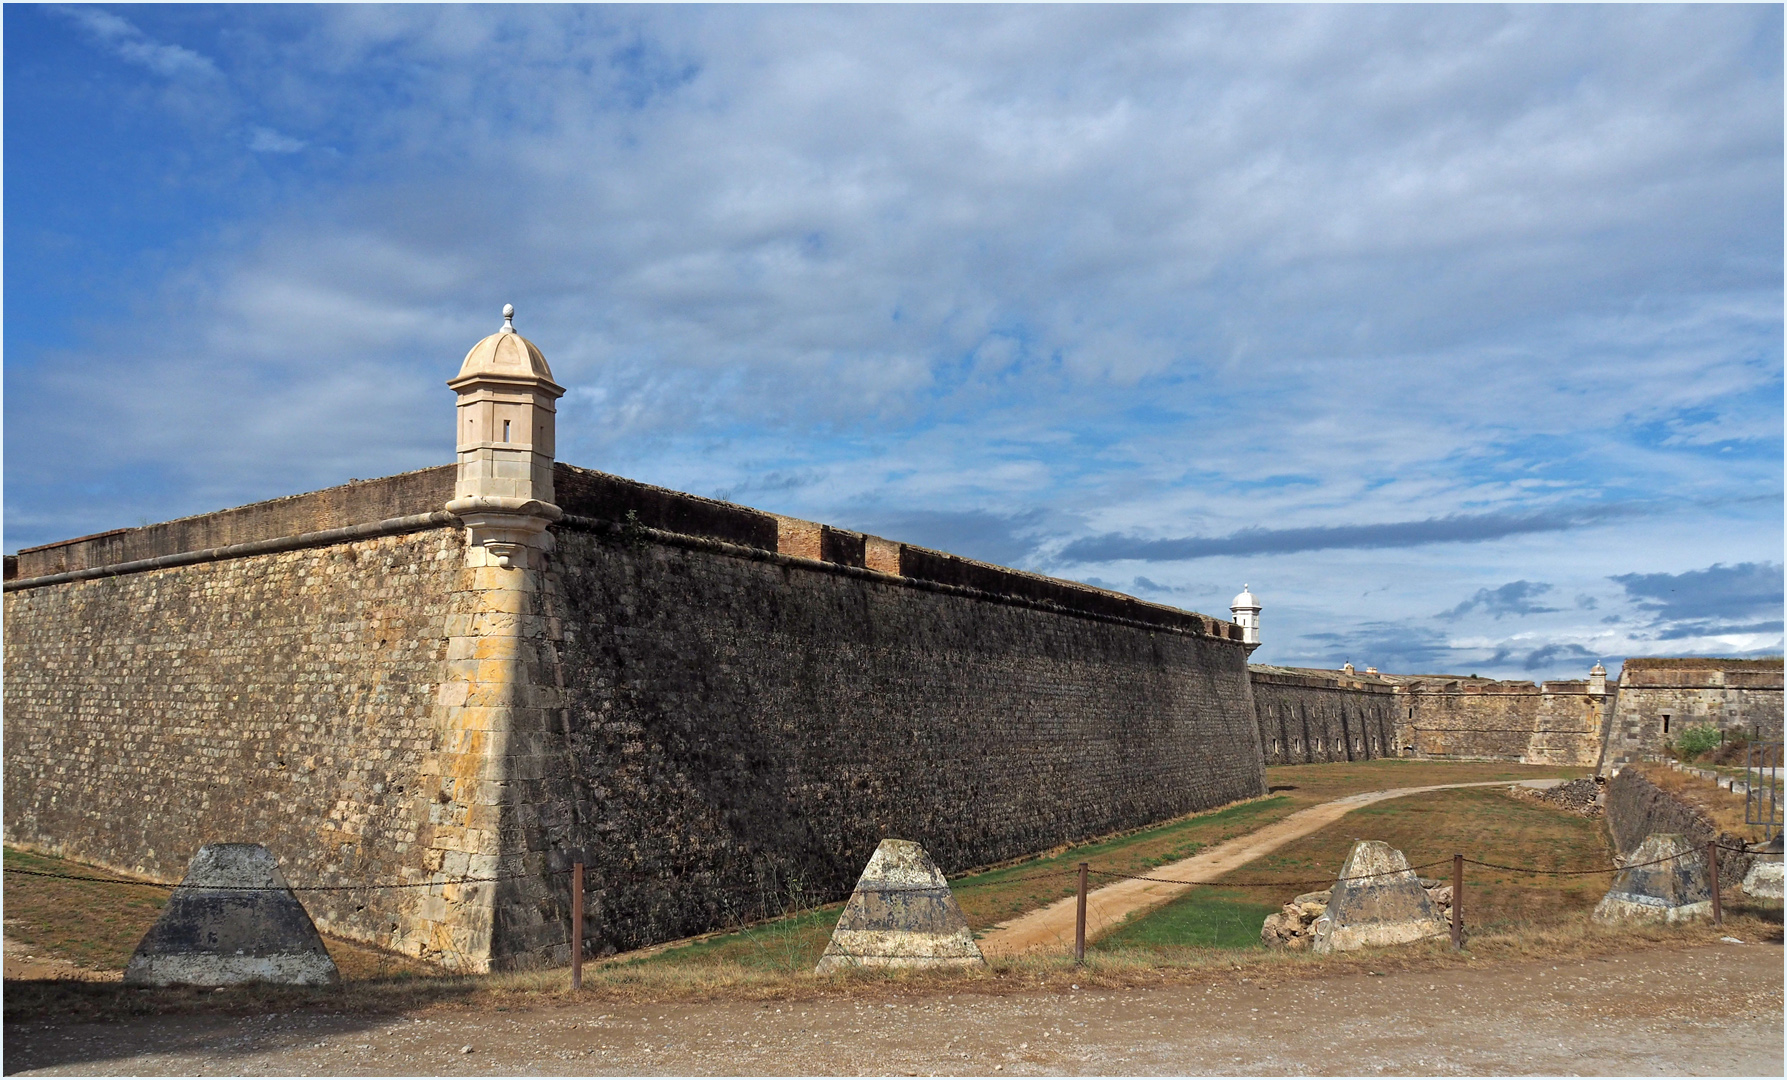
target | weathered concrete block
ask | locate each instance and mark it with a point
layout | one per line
(1390, 908)
(902, 914)
(1665, 881)
(233, 920)
(1763, 881)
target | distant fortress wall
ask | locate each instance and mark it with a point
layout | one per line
(724, 710)
(1659, 697)
(1575, 722)
(1309, 716)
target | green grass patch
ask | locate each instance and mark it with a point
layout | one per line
(794, 943)
(1203, 918)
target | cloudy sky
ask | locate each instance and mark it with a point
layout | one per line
(1455, 332)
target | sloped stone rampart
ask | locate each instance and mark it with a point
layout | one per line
(286, 700)
(1637, 808)
(759, 754)
(1305, 718)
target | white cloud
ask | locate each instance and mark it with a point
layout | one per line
(267, 141)
(1159, 270)
(129, 43)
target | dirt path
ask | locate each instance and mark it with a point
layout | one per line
(1052, 927)
(1704, 1010)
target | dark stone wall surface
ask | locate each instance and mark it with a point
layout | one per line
(283, 700)
(742, 733)
(1303, 721)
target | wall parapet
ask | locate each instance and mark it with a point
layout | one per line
(1187, 623)
(439, 519)
(359, 502)
(590, 499)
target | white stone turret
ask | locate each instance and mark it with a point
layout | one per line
(1247, 617)
(505, 440)
(1597, 679)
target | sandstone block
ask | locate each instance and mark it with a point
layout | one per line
(1764, 880)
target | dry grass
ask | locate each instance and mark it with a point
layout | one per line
(1574, 937)
(1481, 823)
(1725, 809)
(775, 960)
(1307, 785)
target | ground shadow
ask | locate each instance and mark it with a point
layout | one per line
(44, 1017)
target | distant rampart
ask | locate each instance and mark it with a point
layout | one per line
(1308, 714)
(1659, 698)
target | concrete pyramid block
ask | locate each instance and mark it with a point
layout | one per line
(1763, 881)
(1674, 890)
(1388, 909)
(902, 914)
(233, 920)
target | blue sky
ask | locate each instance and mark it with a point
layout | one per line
(1455, 332)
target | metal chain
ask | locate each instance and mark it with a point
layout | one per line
(1267, 884)
(887, 889)
(278, 888)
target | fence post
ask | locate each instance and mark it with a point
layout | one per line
(1079, 922)
(1457, 902)
(1712, 872)
(577, 925)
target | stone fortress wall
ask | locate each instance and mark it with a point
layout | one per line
(1309, 716)
(724, 709)
(1658, 698)
(461, 679)
(1586, 723)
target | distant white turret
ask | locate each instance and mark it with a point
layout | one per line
(1247, 617)
(1597, 679)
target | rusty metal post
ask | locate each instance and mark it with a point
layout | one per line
(577, 926)
(1712, 873)
(1457, 902)
(1079, 922)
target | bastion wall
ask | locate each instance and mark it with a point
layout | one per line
(1306, 716)
(1658, 698)
(724, 710)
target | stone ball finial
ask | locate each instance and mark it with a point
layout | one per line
(509, 318)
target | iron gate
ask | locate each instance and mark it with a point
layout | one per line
(1762, 803)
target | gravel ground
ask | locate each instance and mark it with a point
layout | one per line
(1707, 1010)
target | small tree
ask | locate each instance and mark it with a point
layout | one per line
(1697, 740)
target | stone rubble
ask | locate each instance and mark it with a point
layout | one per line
(1579, 796)
(1293, 926)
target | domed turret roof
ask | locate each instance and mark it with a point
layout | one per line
(1245, 600)
(505, 353)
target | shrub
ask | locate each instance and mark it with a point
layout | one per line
(1697, 740)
